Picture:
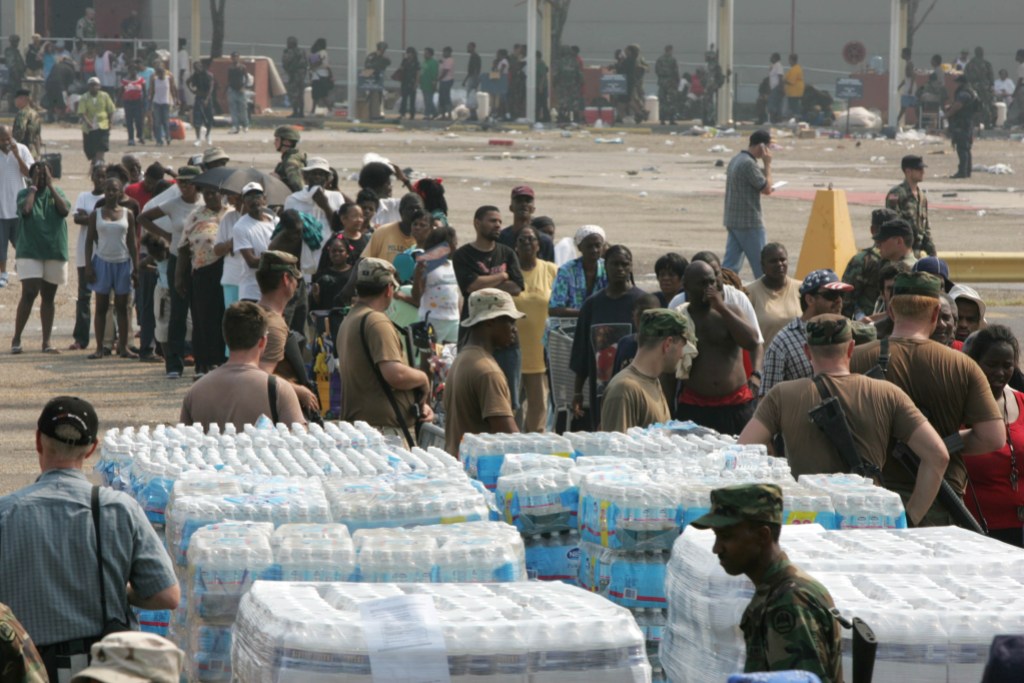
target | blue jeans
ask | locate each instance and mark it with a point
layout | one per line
(428, 103)
(239, 109)
(133, 119)
(742, 243)
(510, 361)
(161, 115)
(83, 313)
(794, 106)
(202, 115)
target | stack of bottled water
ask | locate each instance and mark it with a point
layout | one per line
(858, 503)
(483, 454)
(223, 561)
(313, 552)
(470, 552)
(505, 633)
(147, 462)
(539, 500)
(553, 556)
(935, 597)
(410, 499)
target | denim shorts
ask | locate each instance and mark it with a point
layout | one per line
(111, 276)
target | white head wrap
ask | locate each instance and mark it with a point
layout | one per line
(586, 231)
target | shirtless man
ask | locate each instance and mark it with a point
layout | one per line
(716, 393)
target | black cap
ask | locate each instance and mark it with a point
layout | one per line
(913, 162)
(73, 412)
(897, 227)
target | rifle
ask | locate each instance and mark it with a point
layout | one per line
(864, 646)
(949, 498)
(828, 416)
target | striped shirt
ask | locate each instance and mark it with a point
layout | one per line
(48, 570)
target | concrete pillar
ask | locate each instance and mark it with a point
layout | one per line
(546, 29)
(24, 20)
(726, 19)
(195, 49)
(531, 60)
(172, 35)
(374, 24)
(353, 55)
(897, 39)
(712, 23)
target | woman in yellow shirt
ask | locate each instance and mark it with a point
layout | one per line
(538, 278)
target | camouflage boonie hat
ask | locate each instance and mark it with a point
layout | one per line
(750, 502)
(287, 133)
(863, 332)
(657, 323)
(376, 271)
(920, 284)
(131, 656)
(828, 329)
(487, 304)
(279, 261)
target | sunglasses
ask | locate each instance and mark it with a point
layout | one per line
(829, 296)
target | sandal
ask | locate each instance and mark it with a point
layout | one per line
(129, 355)
(97, 355)
(52, 350)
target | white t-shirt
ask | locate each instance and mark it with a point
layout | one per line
(234, 265)
(172, 192)
(12, 181)
(734, 297)
(440, 294)
(178, 211)
(1004, 87)
(775, 74)
(250, 233)
(86, 201)
(303, 201)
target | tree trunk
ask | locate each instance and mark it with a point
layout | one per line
(217, 34)
(913, 23)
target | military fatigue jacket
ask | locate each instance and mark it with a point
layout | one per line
(788, 625)
(28, 129)
(902, 200)
(19, 660)
(290, 169)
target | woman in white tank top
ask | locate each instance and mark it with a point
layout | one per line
(162, 95)
(111, 263)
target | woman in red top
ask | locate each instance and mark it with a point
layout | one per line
(133, 96)
(998, 496)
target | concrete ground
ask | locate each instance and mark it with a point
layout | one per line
(654, 192)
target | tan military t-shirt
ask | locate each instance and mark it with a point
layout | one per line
(774, 308)
(362, 397)
(277, 338)
(632, 399)
(475, 390)
(237, 394)
(877, 412)
(948, 387)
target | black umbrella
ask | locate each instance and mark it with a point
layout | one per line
(232, 180)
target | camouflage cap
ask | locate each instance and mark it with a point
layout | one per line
(487, 304)
(187, 173)
(828, 329)
(287, 133)
(863, 332)
(657, 323)
(920, 284)
(131, 656)
(376, 271)
(743, 502)
(279, 261)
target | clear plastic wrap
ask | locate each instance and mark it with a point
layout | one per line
(538, 500)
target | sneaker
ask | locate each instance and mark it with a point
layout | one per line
(197, 142)
(3, 279)
(233, 131)
(209, 140)
(245, 129)
(173, 374)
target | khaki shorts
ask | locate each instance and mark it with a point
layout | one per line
(52, 271)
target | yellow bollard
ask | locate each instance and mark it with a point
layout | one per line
(828, 241)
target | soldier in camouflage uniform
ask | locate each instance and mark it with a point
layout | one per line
(289, 170)
(862, 272)
(981, 77)
(295, 62)
(19, 660)
(28, 126)
(15, 67)
(667, 71)
(911, 203)
(788, 623)
(568, 81)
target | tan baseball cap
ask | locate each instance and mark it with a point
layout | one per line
(133, 657)
(487, 304)
(376, 271)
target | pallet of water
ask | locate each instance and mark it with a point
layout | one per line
(526, 632)
(935, 597)
(147, 462)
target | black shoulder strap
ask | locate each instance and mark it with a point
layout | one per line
(95, 503)
(272, 395)
(822, 389)
(883, 356)
(384, 385)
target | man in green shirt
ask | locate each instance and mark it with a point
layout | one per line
(428, 82)
(42, 251)
(96, 110)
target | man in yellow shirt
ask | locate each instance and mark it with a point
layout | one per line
(392, 239)
(96, 109)
(794, 87)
